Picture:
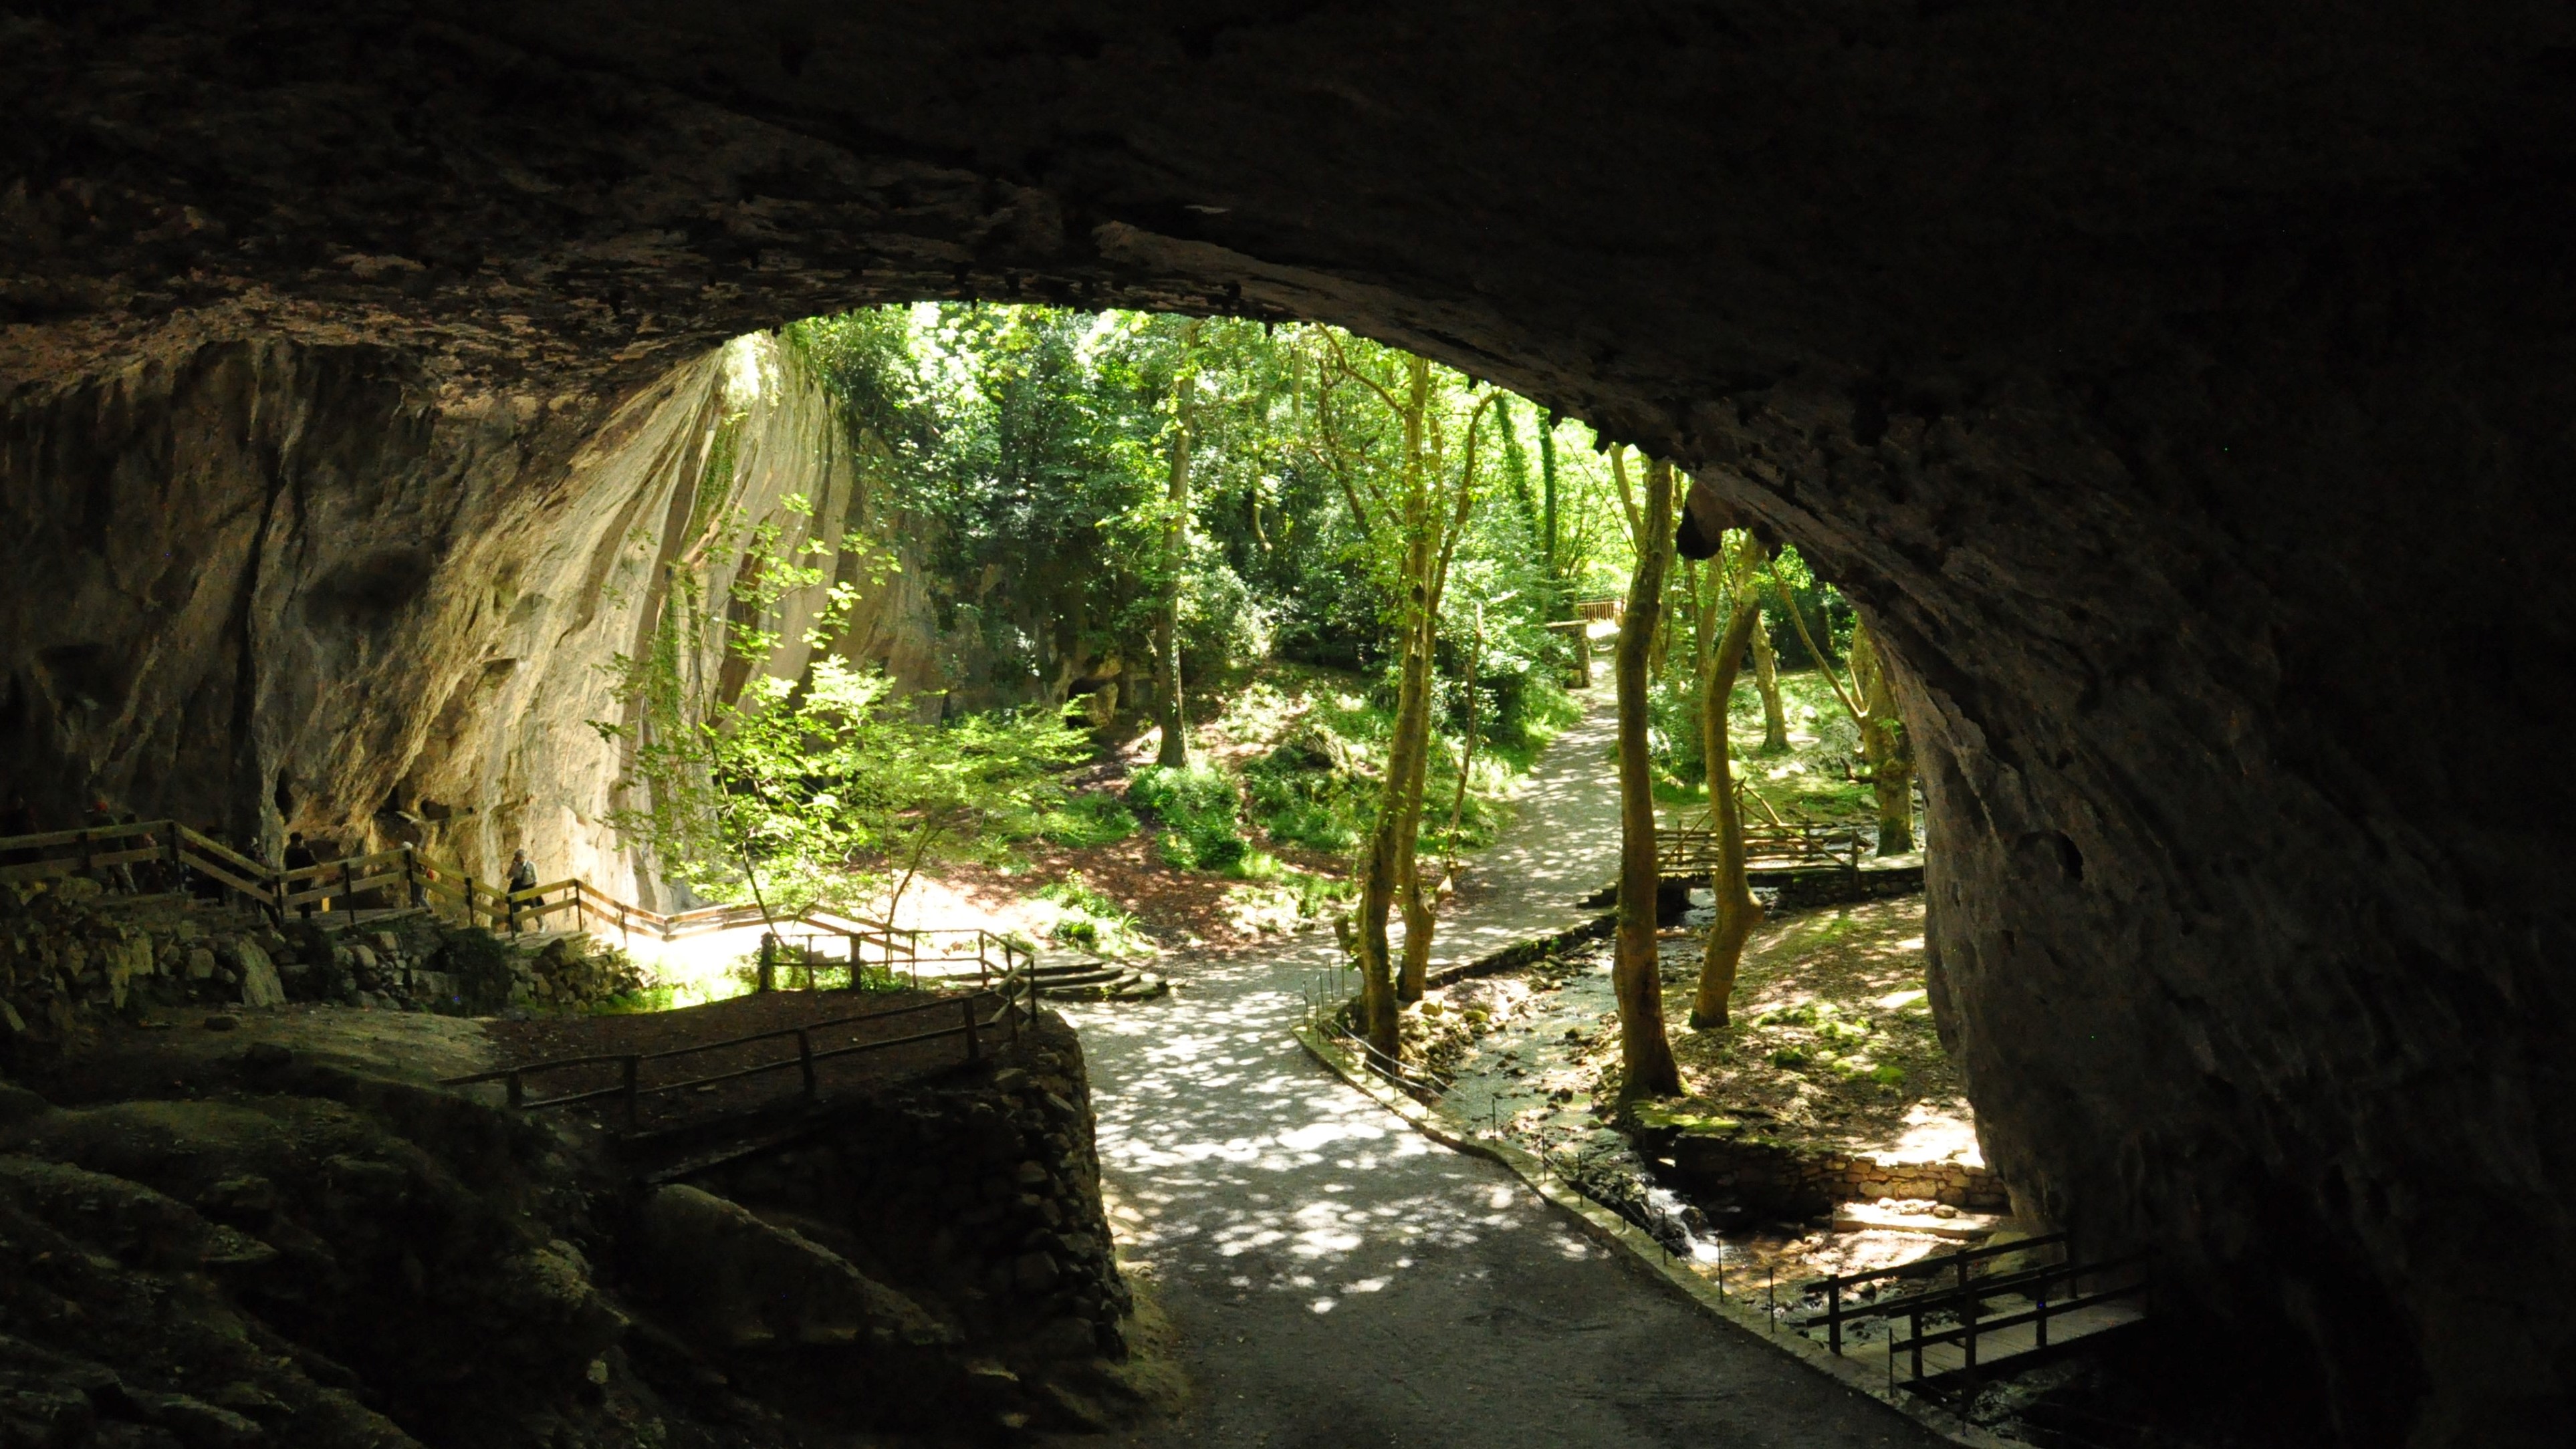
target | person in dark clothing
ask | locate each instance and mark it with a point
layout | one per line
(523, 887)
(119, 876)
(298, 856)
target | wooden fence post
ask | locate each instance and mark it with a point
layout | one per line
(974, 1048)
(630, 1068)
(805, 1060)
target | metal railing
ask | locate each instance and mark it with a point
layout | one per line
(2052, 1290)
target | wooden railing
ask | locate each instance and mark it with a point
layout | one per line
(1692, 850)
(1015, 992)
(402, 878)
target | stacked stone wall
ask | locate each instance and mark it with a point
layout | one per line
(981, 1191)
(1775, 1178)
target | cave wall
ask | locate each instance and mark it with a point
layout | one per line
(267, 587)
(2183, 391)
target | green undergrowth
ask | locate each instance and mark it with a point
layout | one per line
(1088, 919)
(1197, 806)
(1087, 820)
(1320, 740)
(1809, 779)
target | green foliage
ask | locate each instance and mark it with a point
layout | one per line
(1087, 820)
(1197, 808)
(824, 790)
(1091, 920)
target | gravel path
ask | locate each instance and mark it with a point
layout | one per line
(1337, 1280)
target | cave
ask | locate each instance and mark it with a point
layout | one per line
(2183, 394)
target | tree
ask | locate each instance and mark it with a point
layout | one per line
(1884, 745)
(1637, 976)
(1414, 522)
(824, 790)
(1721, 657)
(1174, 752)
(1872, 707)
(1766, 684)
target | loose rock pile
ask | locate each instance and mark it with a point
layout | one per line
(571, 973)
(72, 954)
(66, 956)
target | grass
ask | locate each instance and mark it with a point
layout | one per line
(1833, 1038)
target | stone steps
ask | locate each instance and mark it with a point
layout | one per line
(1088, 978)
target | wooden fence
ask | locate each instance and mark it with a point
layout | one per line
(1016, 994)
(1692, 851)
(401, 878)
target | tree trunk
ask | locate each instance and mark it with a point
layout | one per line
(1766, 682)
(1412, 979)
(1885, 747)
(1386, 873)
(1637, 976)
(1547, 480)
(1175, 750)
(1737, 911)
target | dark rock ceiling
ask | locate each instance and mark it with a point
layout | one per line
(2184, 389)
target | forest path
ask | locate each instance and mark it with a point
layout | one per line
(1335, 1279)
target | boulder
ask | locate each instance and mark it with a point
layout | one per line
(742, 1283)
(260, 985)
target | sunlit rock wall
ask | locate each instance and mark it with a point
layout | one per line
(265, 587)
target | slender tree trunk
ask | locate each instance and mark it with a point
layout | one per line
(1413, 978)
(1466, 750)
(1386, 873)
(1637, 976)
(1885, 747)
(1547, 477)
(1737, 911)
(1766, 682)
(1175, 750)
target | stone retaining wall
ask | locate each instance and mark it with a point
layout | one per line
(1774, 1178)
(979, 1191)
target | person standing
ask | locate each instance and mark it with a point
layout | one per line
(523, 887)
(298, 856)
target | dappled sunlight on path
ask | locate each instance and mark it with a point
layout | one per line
(1338, 1280)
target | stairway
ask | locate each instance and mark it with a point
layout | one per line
(1067, 976)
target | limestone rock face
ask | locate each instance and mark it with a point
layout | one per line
(332, 602)
(2183, 395)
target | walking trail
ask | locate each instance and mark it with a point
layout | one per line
(1336, 1280)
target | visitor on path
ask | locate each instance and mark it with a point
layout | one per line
(19, 819)
(120, 876)
(523, 887)
(298, 856)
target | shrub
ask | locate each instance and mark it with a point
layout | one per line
(1197, 808)
(1088, 820)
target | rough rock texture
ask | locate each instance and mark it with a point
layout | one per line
(2183, 391)
(274, 587)
(983, 1191)
(286, 1235)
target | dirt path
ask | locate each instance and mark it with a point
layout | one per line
(1337, 1280)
